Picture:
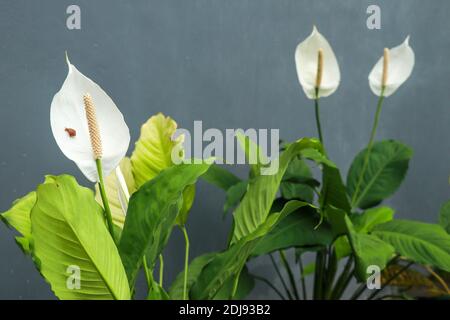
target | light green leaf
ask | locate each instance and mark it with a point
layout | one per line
(229, 263)
(253, 153)
(255, 206)
(157, 292)
(112, 191)
(153, 151)
(366, 221)
(18, 217)
(444, 216)
(387, 166)
(188, 200)
(151, 215)
(421, 242)
(296, 230)
(68, 231)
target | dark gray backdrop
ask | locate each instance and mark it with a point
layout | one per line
(229, 63)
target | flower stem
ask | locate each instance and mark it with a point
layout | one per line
(101, 185)
(369, 147)
(289, 273)
(161, 269)
(262, 279)
(186, 262)
(319, 126)
(148, 275)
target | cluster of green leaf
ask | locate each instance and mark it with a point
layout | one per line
(62, 225)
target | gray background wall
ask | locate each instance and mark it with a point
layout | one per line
(230, 64)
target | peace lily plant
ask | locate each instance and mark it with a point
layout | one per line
(122, 228)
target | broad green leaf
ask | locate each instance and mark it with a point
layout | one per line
(255, 206)
(153, 151)
(69, 232)
(296, 181)
(18, 217)
(363, 223)
(333, 191)
(112, 190)
(246, 281)
(366, 221)
(296, 230)
(151, 215)
(421, 242)
(234, 194)
(444, 216)
(368, 249)
(220, 177)
(387, 166)
(229, 263)
(253, 153)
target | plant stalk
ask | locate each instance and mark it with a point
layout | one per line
(317, 112)
(289, 273)
(302, 278)
(267, 282)
(186, 262)
(318, 276)
(283, 283)
(161, 269)
(369, 147)
(101, 186)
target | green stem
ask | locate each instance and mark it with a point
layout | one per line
(318, 275)
(235, 285)
(290, 274)
(319, 126)
(302, 278)
(262, 279)
(343, 280)
(186, 262)
(161, 270)
(330, 273)
(283, 283)
(148, 275)
(369, 147)
(101, 185)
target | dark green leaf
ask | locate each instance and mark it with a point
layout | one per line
(220, 177)
(444, 216)
(298, 182)
(387, 166)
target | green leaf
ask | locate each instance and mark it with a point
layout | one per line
(18, 217)
(444, 216)
(220, 177)
(363, 223)
(227, 264)
(421, 242)
(255, 206)
(297, 181)
(151, 215)
(253, 153)
(387, 166)
(234, 194)
(366, 221)
(333, 191)
(188, 200)
(296, 230)
(368, 249)
(153, 151)
(68, 231)
(157, 292)
(112, 191)
(246, 281)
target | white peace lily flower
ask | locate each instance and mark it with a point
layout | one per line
(68, 118)
(315, 71)
(398, 69)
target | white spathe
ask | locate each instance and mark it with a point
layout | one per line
(67, 112)
(400, 67)
(306, 59)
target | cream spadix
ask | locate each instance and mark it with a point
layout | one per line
(392, 69)
(79, 100)
(317, 67)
